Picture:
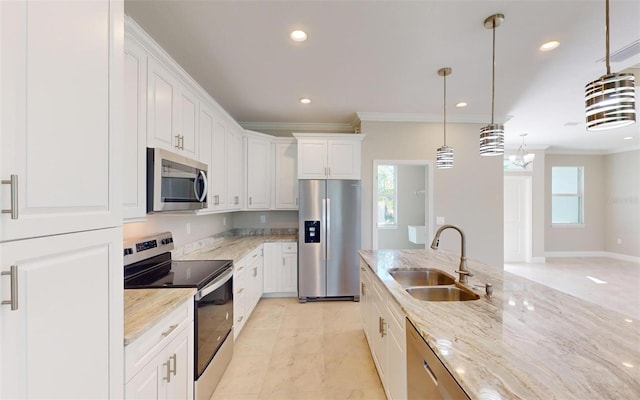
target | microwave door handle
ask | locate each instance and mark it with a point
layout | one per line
(201, 175)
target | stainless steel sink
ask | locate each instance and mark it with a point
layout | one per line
(421, 277)
(436, 293)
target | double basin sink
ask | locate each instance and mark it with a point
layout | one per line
(431, 284)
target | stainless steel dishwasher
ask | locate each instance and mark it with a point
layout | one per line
(427, 378)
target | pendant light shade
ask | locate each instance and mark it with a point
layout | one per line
(492, 135)
(610, 99)
(444, 154)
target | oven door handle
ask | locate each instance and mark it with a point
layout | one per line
(215, 284)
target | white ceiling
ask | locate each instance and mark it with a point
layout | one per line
(380, 59)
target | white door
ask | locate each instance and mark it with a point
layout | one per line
(61, 121)
(65, 338)
(517, 219)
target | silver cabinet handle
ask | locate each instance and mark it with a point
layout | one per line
(236, 200)
(381, 324)
(427, 368)
(168, 377)
(13, 272)
(329, 171)
(168, 331)
(14, 196)
(325, 171)
(240, 290)
(177, 145)
(175, 364)
(250, 200)
(255, 271)
(181, 142)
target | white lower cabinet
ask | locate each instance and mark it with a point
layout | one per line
(159, 364)
(58, 336)
(384, 326)
(281, 268)
(247, 287)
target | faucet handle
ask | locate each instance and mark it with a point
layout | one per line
(464, 272)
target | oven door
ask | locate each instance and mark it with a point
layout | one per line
(214, 319)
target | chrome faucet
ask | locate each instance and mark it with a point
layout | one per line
(463, 271)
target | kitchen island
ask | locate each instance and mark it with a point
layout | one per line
(527, 341)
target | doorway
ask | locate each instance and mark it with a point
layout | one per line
(402, 204)
(517, 218)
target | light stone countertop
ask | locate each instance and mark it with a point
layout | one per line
(235, 247)
(144, 307)
(528, 341)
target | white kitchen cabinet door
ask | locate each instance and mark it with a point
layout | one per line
(289, 280)
(179, 356)
(312, 159)
(161, 107)
(396, 384)
(343, 159)
(272, 262)
(286, 175)
(258, 173)
(62, 341)
(205, 148)
(218, 168)
(255, 278)
(240, 283)
(186, 130)
(235, 169)
(134, 154)
(61, 117)
(146, 384)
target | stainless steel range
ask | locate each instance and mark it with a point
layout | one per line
(148, 264)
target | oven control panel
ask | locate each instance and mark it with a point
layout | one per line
(138, 249)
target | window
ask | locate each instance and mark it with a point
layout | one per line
(566, 195)
(387, 196)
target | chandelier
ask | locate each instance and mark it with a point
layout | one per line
(522, 157)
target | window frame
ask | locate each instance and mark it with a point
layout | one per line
(393, 225)
(579, 195)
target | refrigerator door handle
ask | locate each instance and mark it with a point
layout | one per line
(328, 225)
(324, 226)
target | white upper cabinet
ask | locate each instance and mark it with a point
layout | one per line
(329, 156)
(134, 153)
(172, 112)
(61, 118)
(286, 174)
(258, 171)
(235, 169)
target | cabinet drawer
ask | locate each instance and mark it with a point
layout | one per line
(143, 349)
(290, 247)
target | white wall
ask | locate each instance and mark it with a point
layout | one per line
(589, 237)
(411, 178)
(200, 226)
(622, 203)
(470, 195)
(273, 219)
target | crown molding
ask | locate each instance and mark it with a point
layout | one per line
(299, 126)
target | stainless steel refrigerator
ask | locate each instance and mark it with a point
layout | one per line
(329, 239)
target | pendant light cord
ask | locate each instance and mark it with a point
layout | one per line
(445, 109)
(606, 35)
(493, 71)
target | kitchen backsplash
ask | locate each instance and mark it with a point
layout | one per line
(218, 239)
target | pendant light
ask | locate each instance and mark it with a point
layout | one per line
(610, 99)
(492, 135)
(444, 155)
(522, 157)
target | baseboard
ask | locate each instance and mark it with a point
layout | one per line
(606, 254)
(280, 294)
(623, 257)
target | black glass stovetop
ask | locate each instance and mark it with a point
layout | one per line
(162, 272)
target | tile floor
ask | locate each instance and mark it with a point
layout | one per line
(620, 293)
(289, 350)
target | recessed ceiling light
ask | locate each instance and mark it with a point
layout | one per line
(461, 104)
(298, 36)
(305, 100)
(628, 138)
(549, 45)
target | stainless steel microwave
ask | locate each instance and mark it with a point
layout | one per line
(175, 182)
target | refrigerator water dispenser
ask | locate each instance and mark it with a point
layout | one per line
(312, 231)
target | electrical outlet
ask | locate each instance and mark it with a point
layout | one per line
(263, 219)
(619, 241)
(188, 228)
(439, 220)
